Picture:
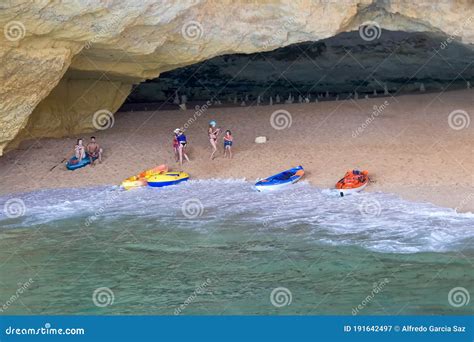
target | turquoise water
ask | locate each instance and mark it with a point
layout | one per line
(219, 247)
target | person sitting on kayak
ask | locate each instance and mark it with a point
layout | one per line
(176, 144)
(213, 132)
(94, 151)
(228, 144)
(182, 146)
(79, 150)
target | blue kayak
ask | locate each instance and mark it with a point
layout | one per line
(281, 179)
(72, 164)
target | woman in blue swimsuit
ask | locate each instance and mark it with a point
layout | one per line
(182, 146)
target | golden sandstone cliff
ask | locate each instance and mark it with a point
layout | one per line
(62, 63)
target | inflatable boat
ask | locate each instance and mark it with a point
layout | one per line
(141, 179)
(74, 164)
(167, 178)
(280, 180)
(353, 181)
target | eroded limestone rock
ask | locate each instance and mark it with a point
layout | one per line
(118, 43)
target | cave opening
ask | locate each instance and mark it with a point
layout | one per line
(226, 158)
(341, 67)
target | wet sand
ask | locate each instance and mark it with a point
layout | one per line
(406, 143)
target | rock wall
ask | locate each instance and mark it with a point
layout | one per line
(311, 69)
(119, 43)
(70, 107)
(24, 86)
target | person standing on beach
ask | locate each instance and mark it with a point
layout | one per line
(213, 133)
(182, 146)
(176, 144)
(228, 139)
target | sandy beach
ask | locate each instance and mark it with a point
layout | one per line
(408, 143)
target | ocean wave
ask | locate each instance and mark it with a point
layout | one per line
(375, 221)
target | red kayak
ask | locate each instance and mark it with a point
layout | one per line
(353, 181)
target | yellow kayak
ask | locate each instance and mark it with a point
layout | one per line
(141, 179)
(167, 178)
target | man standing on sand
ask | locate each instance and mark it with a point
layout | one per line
(94, 151)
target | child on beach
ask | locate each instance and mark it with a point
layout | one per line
(228, 144)
(182, 146)
(213, 132)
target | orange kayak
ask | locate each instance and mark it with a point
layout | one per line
(353, 181)
(142, 178)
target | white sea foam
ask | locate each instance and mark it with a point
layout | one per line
(375, 221)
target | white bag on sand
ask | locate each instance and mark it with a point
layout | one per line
(260, 140)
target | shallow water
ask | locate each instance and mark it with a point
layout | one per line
(219, 247)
